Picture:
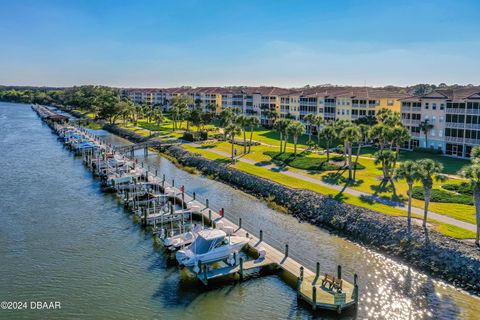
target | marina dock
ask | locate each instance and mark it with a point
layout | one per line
(320, 289)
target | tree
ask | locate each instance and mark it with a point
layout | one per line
(253, 123)
(363, 128)
(386, 159)
(195, 117)
(379, 132)
(350, 135)
(472, 173)
(425, 126)
(398, 136)
(296, 129)
(409, 171)
(309, 120)
(231, 131)
(281, 126)
(242, 122)
(429, 170)
(227, 117)
(180, 105)
(158, 116)
(328, 134)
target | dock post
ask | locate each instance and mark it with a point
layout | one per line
(339, 272)
(241, 268)
(144, 217)
(206, 203)
(163, 182)
(317, 273)
(156, 173)
(355, 289)
(210, 217)
(239, 223)
(299, 285)
(142, 164)
(261, 236)
(173, 183)
(286, 250)
(194, 195)
(314, 297)
(301, 273)
(145, 151)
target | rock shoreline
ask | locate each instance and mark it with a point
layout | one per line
(452, 260)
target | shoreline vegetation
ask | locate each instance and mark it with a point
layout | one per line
(447, 258)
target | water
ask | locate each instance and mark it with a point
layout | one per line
(62, 239)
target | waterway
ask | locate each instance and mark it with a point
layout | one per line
(62, 239)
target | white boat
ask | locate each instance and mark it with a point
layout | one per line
(181, 240)
(210, 246)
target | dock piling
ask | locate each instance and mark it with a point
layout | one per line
(286, 250)
(314, 297)
(239, 223)
(339, 272)
(301, 273)
(261, 236)
(241, 268)
(194, 196)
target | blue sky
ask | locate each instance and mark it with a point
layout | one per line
(202, 43)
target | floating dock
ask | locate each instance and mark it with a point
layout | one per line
(319, 289)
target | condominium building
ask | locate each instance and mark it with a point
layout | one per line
(454, 116)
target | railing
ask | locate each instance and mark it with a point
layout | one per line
(410, 121)
(455, 139)
(473, 111)
(456, 110)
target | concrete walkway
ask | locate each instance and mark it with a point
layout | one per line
(353, 192)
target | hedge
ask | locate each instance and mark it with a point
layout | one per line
(439, 195)
(462, 188)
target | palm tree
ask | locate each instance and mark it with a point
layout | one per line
(309, 119)
(472, 173)
(349, 135)
(227, 117)
(398, 136)
(429, 170)
(386, 158)
(425, 126)
(379, 132)
(328, 134)
(253, 123)
(280, 125)
(158, 116)
(242, 122)
(409, 171)
(180, 105)
(296, 129)
(364, 135)
(231, 131)
(286, 133)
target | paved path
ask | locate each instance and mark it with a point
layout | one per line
(353, 192)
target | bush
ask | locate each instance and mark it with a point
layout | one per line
(428, 150)
(195, 135)
(303, 161)
(442, 196)
(462, 188)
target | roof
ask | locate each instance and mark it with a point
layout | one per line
(459, 94)
(210, 234)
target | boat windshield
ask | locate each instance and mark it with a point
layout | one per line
(201, 245)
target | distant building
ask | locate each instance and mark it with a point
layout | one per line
(454, 115)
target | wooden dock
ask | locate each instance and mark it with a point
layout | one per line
(308, 283)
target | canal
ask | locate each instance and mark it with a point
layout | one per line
(62, 239)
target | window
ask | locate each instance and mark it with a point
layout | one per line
(434, 106)
(440, 120)
(442, 106)
(432, 133)
(440, 133)
(426, 105)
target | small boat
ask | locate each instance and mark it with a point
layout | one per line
(181, 240)
(210, 245)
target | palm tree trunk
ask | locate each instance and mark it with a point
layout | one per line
(409, 212)
(244, 141)
(285, 144)
(426, 139)
(476, 199)
(295, 139)
(427, 194)
(250, 143)
(233, 143)
(327, 144)
(356, 161)
(349, 161)
(281, 142)
(397, 153)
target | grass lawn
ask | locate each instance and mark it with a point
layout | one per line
(446, 229)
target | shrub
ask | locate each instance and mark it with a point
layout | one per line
(195, 135)
(439, 195)
(428, 150)
(462, 188)
(305, 162)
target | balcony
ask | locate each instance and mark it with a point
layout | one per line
(473, 111)
(455, 139)
(410, 121)
(472, 141)
(329, 115)
(456, 110)
(415, 134)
